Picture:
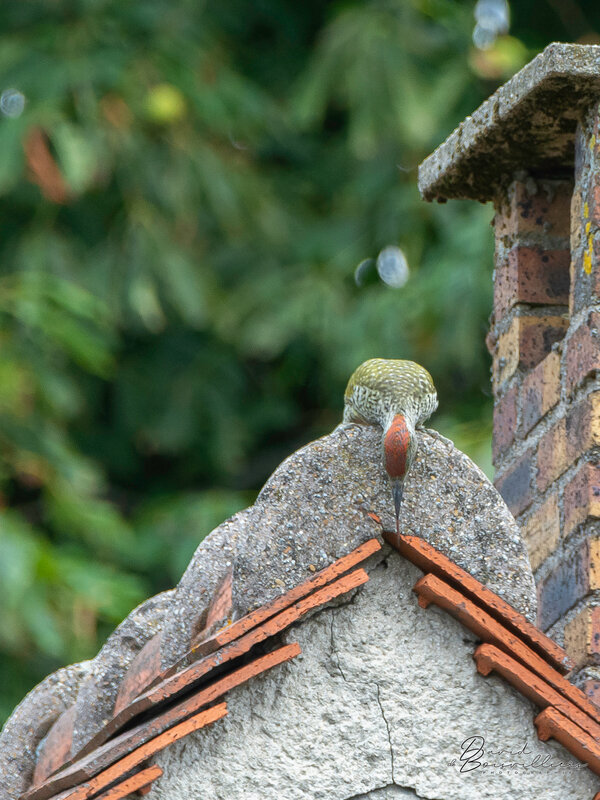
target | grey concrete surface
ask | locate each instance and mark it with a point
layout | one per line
(528, 124)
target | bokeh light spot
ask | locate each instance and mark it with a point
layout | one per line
(12, 103)
(392, 267)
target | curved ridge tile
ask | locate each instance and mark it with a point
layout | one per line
(210, 563)
(321, 503)
(98, 693)
(31, 721)
(313, 510)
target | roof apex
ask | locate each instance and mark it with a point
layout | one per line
(527, 124)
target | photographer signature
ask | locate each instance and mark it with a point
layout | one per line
(474, 755)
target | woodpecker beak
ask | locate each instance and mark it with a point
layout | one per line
(397, 491)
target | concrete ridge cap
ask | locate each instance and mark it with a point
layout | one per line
(491, 132)
(273, 548)
(123, 742)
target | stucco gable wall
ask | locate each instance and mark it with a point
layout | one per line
(377, 706)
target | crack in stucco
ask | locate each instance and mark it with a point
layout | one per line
(336, 655)
(375, 793)
(387, 727)
(334, 650)
(369, 795)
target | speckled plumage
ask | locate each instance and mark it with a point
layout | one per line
(398, 395)
(381, 388)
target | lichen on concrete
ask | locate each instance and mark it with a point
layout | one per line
(528, 123)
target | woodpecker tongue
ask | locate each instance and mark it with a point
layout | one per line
(397, 491)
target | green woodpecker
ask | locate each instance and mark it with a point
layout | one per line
(399, 396)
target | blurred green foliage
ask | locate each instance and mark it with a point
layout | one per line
(183, 203)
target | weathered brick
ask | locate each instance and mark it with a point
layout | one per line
(581, 499)
(515, 484)
(527, 341)
(576, 217)
(541, 532)
(540, 391)
(506, 360)
(543, 275)
(592, 689)
(532, 275)
(565, 586)
(568, 439)
(491, 341)
(545, 212)
(594, 563)
(505, 422)
(594, 200)
(585, 269)
(582, 637)
(552, 455)
(582, 357)
(537, 335)
(577, 637)
(583, 425)
(585, 221)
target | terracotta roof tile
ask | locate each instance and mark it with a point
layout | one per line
(141, 782)
(145, 671)
(552, 724)
(57, 747)
(489, 658)
(101, 758)
(430, 589)
(262, 624)
(142, 671)
(132, 760)
(220, 608)
(428, 559)
(186, 677)
(241, 645)
(568, 716)
(263, 613)
(513, 648)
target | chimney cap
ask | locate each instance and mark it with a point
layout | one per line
(527, 124)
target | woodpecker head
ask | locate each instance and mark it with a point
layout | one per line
(399, 448)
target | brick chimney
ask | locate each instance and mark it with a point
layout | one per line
(533, 149)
